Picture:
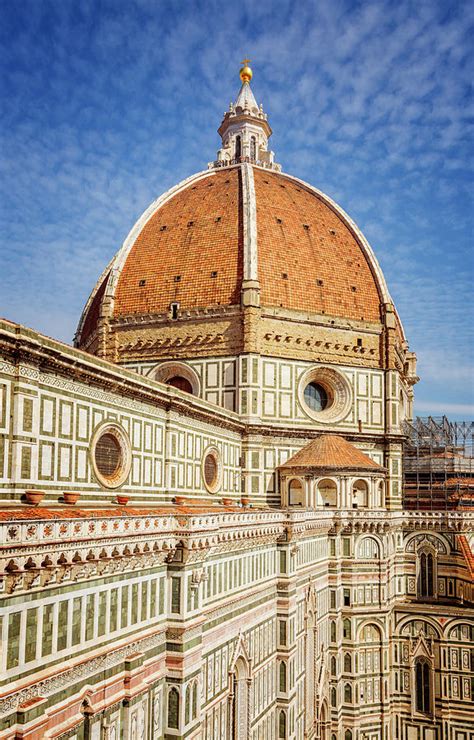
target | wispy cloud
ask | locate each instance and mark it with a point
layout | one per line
(109, 104)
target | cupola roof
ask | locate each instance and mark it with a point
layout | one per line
(329, 451)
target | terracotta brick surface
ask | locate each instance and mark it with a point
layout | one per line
(90, 322)
(213, 242)
(309, 255)
(331, 451)
(308, 260)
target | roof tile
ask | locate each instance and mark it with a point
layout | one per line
(331, 451)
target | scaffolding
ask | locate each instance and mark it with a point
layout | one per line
(438, 464)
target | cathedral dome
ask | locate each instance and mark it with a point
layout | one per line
(188, 249)
(238, 234)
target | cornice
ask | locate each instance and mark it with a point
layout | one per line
(20, 345)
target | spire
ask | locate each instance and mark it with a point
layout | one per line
(245, 129)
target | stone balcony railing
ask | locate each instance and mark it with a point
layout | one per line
(40, 547)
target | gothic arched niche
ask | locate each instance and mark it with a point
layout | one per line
(240, 704)
(439, 543)
(370, 662)
(310, 650)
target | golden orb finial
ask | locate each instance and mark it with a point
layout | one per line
(246, 73)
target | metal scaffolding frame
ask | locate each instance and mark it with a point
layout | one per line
(438, 464)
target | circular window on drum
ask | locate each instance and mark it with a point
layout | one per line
(111, 455)
(212, 469)
(324, 394)
(316, 397)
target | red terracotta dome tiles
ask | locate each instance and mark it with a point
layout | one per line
(190, 251)
(331, 451)
(308, 259)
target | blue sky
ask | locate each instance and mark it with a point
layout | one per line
(107, 103)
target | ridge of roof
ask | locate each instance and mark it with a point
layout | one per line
(331, 451)
(246, 98)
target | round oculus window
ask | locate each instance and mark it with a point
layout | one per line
(324, 394)
(211, 470)
(111, 455)
(108, 455)
(315, 396)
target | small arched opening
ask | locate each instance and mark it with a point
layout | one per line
(323, 721)
(296, 493)
(423, 686)
(426, 567)
(173, 709)
(282, 725)
(380, 495)
(282, 677)
(360, 494)
(253, 148)
(327, 493)
(238, 147)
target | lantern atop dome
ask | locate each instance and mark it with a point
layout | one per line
(245, 129)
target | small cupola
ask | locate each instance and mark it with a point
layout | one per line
(330, 472)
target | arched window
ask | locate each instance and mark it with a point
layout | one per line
(173, 709)
(347, 663)
(333, 631)
(426, 574)
(195, 700)
(87, 712)
(381, 495)
(323, 722)
(346, 625)
(333, 697)
(238, 147)
(333, 666)
(348, 693)
(241, 700)
(348, 735)
(295, 493)
(422, 686)
(282, 676)
(253, 148)
(282, 725)
(368, 549)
